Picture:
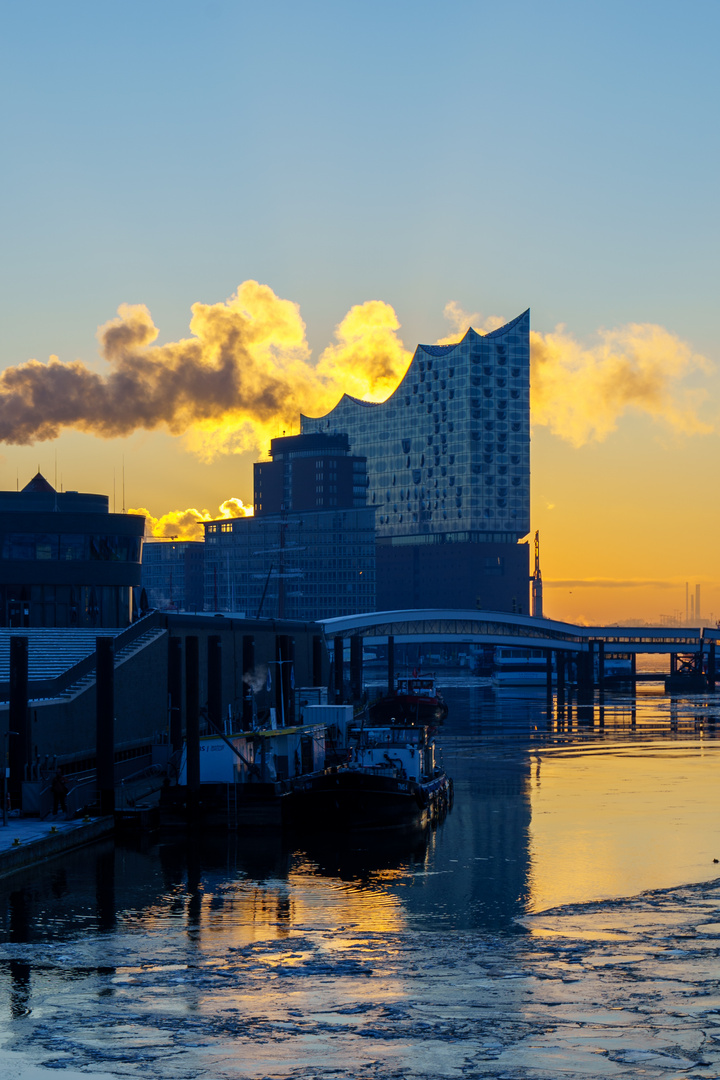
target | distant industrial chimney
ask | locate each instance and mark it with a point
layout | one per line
(537, 587)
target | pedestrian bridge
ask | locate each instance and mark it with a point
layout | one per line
(522, 631)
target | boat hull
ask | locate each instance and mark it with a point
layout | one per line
(359, 799)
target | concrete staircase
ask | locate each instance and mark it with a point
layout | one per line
(121, 657)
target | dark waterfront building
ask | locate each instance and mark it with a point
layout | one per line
(309, 551)
(448, 464)
(310, 472)
(173, 574)
(65, 560)
(159, 661)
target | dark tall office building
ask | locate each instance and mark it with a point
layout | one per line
(65, 560)
(448, 463)
(310, 472)
(309, 551)
(173, 574)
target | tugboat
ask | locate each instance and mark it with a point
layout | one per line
(391, 780)
(416, 700)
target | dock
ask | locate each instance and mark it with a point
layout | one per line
(27, 841)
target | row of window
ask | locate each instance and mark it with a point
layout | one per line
(69, 547)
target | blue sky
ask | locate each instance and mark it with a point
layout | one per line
(561, 156)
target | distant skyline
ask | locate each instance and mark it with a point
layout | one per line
(490, 157)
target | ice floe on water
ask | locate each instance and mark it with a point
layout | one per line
(480, 951)
(624, 988)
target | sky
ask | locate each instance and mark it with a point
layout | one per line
(341, 173)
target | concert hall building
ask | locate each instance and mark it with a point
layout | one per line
(448, 465)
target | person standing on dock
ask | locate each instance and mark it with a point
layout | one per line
(59, 791)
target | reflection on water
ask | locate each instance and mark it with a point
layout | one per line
(603, 801)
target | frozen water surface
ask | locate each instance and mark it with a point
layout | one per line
(563, 922)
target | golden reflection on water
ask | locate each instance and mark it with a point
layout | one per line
(241, 912)
(632, 817)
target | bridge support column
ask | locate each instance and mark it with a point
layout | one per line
(391, 664)
(584, 661)
(560, 663)
(711, 667)
(548, 681)
(339, 664)
(633, 668)
(356, 666)
(601, 666)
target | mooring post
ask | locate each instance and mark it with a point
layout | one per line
(192, 712)
(175, 692)
(17, 737)
(339, 665)
(317, 660)
(288, 676)
(248, 669)
(105, 723)
(391, 665)
(214, 682)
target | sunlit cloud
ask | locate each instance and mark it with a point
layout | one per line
(246, 372)
(187, 524)
(581, 392)
(461, 321)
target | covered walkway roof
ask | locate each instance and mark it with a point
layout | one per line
(502, 628)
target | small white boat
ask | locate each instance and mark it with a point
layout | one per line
(519, 667)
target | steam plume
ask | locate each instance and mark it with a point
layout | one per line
(186, 524)
(242, 375)
(461, 321)
(245, 372)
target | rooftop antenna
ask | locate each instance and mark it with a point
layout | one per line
(537, 587)
(123, 484)
(113, 491)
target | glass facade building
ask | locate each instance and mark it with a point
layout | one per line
(448, 464)
(313, 565)
(173, 574)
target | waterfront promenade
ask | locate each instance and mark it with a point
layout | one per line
(27, 841)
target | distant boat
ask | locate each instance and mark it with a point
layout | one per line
(519, 667)
(391, 780)
(416, 700)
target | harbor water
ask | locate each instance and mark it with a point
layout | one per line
(562, 921)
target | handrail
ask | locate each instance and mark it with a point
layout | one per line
(43, 688)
